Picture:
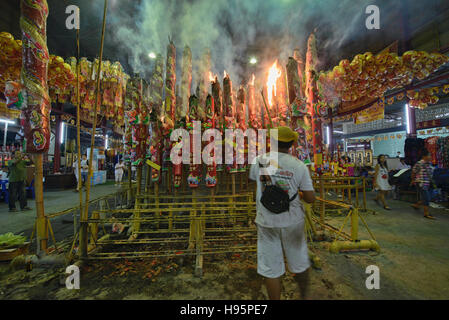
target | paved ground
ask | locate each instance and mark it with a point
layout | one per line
(54, 201)
(413, 264)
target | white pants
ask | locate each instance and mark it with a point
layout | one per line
(273, 243)
(118, 175)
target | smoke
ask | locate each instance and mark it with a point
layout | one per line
(233, 29)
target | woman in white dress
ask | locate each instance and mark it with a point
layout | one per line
(381, 181)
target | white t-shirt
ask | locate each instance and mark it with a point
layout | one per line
(84, 166)
(290, 174)
(119, 167)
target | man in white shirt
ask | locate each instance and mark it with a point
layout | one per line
(283, 232)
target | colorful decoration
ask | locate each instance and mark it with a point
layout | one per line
(33, 22)
(370, 76)
(211, 170)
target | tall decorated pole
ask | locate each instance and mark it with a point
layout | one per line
(35, 57)
(218, 109)
(186, 80)
(281, 97)
(204, 78)
(168, 122)
(298, 108)
(183, 107)
(155, 150)
(313, 106)
(229, 116)
(253, 113)
(241, 123)
(193, 180)
(211, 171)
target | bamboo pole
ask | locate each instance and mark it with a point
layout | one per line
(148, 179)
(139, 180)
(84, 216)
(364, 193)
(323, 208)
(78, 131)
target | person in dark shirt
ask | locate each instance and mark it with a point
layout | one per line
(17, 177)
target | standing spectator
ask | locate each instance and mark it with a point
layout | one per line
(133, 172)
(119, 169)
(84, 169)
(17, 178)
(282, 233)
(75, 171)
(381, 180)
(422, 179)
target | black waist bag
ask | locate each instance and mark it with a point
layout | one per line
(276, 200)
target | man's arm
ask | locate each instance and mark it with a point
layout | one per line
(306, 185)
(308, 196)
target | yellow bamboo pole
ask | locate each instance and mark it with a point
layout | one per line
(322, 195)
(78, 130)
(85, 215)
(364, 194)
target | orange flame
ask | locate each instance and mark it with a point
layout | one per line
(253, 79)
(273, 74)
(211, 77)
(225, 74)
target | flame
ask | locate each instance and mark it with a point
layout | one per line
(253, 79)
(273, 74)
(211, 77)
(225, 74)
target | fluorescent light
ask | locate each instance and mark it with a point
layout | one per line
(152, 55)
(328, 134)
(106, 142)
(253, 60)
(407, 117)
(336, 131)
(61, 134)
(7, 121)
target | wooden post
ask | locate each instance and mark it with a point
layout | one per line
(41, 222)
(139, 180)
(193, 222)
(322, 195)
(148, 179)
(130, 185)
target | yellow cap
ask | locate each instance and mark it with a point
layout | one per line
(286, 134)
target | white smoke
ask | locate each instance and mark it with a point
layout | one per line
(231, 27)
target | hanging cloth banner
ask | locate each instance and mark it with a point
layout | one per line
(375, 112)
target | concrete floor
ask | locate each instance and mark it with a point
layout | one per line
(54, 201)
